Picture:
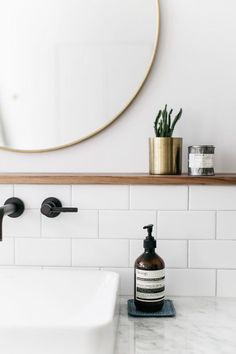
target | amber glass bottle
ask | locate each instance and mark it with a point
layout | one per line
(149, 277)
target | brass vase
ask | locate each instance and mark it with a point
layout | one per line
(165, 156)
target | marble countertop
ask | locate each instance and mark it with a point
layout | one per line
(201, 326)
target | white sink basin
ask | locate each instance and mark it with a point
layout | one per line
(58, 311)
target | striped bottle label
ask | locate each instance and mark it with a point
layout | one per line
(150, 285)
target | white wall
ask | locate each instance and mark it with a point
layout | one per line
(195, 69)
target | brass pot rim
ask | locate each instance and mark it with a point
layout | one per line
(165, 137)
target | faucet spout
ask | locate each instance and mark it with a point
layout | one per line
(7, 209)
(13, 207)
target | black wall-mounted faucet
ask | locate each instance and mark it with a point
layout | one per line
(52, 207)
(13, 207)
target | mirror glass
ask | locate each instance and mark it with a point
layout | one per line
(68, 68)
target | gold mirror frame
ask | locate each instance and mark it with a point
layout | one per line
(97, 131)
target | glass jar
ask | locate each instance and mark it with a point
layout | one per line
(201, 160)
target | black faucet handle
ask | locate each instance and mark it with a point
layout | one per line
(65, 210)
(52, 207)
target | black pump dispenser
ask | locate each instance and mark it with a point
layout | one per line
(149, 242)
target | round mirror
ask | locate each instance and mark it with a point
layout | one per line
(69, 68)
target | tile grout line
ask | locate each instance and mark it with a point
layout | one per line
(188, 254)
(129, 197)
(122, 238)
(188, 198)
(216, 216)
(71, 263)
(157, 224)
(129, 258)
(98, 230)
(71, 198)
(14, 251)
(40, 225)
(115, 267)
(216, 281)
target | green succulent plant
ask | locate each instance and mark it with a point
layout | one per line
(163, 125)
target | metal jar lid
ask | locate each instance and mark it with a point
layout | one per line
(202, 149)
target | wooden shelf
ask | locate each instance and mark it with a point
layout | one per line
(114, 178)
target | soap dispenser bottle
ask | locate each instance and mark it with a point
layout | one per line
(149, 277)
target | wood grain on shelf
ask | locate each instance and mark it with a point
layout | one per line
(115, 178)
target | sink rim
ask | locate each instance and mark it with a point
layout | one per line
(91, 321)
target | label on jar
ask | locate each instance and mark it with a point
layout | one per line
(150, 285)
(201, 160)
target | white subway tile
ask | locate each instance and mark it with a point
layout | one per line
(174, 253)
(190, 282)
(7, 251)
(44, 252)
(226, 224)
(135, 250)
(26, 225)
(212, 197)
(6, 192)
(126, 280)
(226, 283)
(159, 197)
(125, 224)
(100, 196)
(81, 224)
(100, 253)
(124, 227)
(212, 254)
(34, 195)
(186, 224)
